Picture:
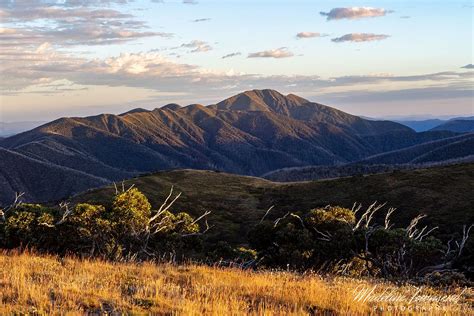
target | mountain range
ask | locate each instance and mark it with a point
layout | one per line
(457, 124)
(12, 128)
(251, 133)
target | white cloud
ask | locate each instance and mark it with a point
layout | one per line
(44, 64)
(281, 52)
(360, 37)
(71, 23)
(197, 46)
(309, 34)
(354, 13)
(231, 55)
(201, 20)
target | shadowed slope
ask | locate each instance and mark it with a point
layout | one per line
(238, 202)
(252, 133)
(40, 181)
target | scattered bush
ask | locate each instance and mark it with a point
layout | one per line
(127, 229)
(333, 239)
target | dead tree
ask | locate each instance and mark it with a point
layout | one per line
(451, 254)
(64, 206)
(159, 222)
(16, 203)
(398, 262)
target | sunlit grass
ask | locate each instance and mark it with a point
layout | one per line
(49, 285)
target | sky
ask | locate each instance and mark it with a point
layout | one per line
(392, 59)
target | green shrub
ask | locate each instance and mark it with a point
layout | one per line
(29, 225)
(130, 212)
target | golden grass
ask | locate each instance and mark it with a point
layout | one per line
(48, 285)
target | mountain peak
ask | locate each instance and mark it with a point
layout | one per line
(261, 100)
(133, 111)
(170, 106)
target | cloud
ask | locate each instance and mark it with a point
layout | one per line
(46, 72)
(202, 20)
(151, 70)
(72, 23)
(197, 46)
(405, 17)
(354, 13)
(309, 34)
(360, 37)
(94, 2)
(468, 66)
(281, 52)
(231, 55)
(190, 2)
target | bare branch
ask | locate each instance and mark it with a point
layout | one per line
(299, 218)
(279, 219)
(387, 217)
(201, 217)
(47, 225)
(200, 233)
(64, 206)
(165, 206)
(16, 202)
(368, 215)
(420, 236)
(266, 213)
(465, 237)
(324, 236)
(411, 229)
(356, 208)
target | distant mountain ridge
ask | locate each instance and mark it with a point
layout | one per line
(12, 128)
(251, 133)
(456, 125)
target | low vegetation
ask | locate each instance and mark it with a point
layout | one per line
(330, 239)
(128, 229)
(63, 285)
(129, 254)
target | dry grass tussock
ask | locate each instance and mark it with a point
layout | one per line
(49, 285)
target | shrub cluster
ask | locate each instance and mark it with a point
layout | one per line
(333, 239)
(129, 228)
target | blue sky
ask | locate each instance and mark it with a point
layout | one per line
(372, 58)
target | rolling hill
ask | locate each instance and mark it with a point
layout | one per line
(456, 147)
(238, 202)
(40, 181)
(456, 125)
(252, 133)
(421, 125)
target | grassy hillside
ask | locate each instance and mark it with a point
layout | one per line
(49, 285)
(238, 202)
